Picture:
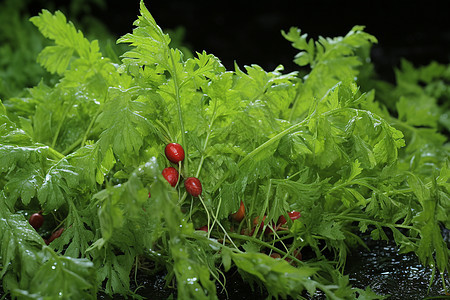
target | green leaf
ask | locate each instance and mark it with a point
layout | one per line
(88, 149)
(110, 215)
(251, 247)
(124, 127)
(151, 43)
(226, 259)
(59, 183)
(23, 185)
(77, 237)
(299, 41)
(20, 248)
(62, 276)
(330, 60)
(68, 40)
(9, 132)
(280, 278)
(115, 270)
(432, 248)
(192, 274)
(56, 59)
(355, 170)
(330, 229)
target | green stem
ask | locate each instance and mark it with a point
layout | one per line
(283, 235)
(207, 214)
(91, 124)
(51, 252)
(88, 130)
(82, 140)
(267, 245)
(264, 208)
(375, 222)
(173, 74)
(269, 142)
(165, 135)
(55, 137)
(278, 239)
(327, 291)
(202, 159)
(55, 153)
(443, 283)
(263, 146)
(294, 105)
(399, 191)
(353, 182)
(71, 147)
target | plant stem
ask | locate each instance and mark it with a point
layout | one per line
(55, 153)
(71, 147)
(207, 214)
(295, 103)
(264, 208)
(173, 73)
(55, 137)
(375, 222)
(267, 245)
(91, 124)
(263, 146)
(202, 159)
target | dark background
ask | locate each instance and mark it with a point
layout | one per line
(249, 32)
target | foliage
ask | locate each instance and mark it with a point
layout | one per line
(88, 150)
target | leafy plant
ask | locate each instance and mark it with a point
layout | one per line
(89, 153)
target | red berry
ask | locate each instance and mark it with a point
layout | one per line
(204, 228)
(174, 152)
(293, 215)
(239, 215)
(297, 254)
(193, 186)
(268, 227)
(275, 255)
(36, 220)
(256, 221)
(171, 175)
(55, 235)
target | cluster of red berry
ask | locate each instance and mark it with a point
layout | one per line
(175, 153)
(37, 220)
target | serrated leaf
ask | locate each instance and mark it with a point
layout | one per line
(115, 271)
(60, 182)
(63, 277)
(56, 59)
(68, 40)
(124, 127)
(23, 185)
(152, 45)
(355, 170)
(280, 278)
(251, 247)
(330, 229)
(105, 166)
(20, 251)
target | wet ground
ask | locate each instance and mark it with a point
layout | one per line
(387, 272)
(382, 269)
